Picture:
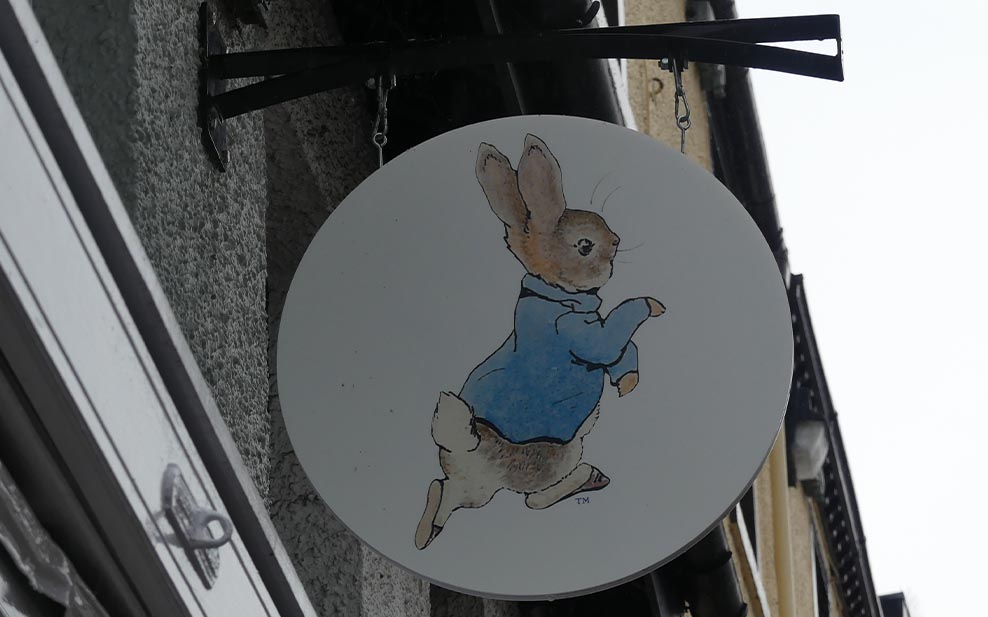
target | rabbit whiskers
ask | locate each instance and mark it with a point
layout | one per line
(593, 194)
(608, 197)
(637, 246)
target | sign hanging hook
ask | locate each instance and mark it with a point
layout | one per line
(682, 109)
(380, 136)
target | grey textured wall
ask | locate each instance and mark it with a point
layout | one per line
(132, 67)
(225, 245)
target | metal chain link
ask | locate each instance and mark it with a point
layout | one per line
(380, 135)
(682, 110)
(683, 120)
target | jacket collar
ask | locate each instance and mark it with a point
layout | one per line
(581, 302)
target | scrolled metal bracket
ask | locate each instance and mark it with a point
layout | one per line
(295, 73)
(190, 522)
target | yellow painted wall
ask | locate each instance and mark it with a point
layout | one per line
(651, 89)
(802, 553)
(766, 541)
(804, 521)
(836, 606)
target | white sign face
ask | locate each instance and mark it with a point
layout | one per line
(535, 357)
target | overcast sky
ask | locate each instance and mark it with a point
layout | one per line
(880, 186)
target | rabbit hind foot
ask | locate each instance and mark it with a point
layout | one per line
(584, 478)
(427, 530)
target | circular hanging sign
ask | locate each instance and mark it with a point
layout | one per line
(535, 357)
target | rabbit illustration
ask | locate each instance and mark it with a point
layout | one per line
(520, 419)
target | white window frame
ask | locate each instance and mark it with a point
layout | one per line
(88, 336)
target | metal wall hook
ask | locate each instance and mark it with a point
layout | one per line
(548, 16)
(190, 522)
(204, 539)
(588, 17)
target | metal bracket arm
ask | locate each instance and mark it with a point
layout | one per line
(295, 73)
(302, 72)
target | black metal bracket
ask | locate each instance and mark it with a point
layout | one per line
(215, 137)
(295, 73)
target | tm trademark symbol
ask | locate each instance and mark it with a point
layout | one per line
(582, 500)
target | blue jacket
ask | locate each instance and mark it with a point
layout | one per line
(547, 378)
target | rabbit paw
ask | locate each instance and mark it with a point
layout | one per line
(627, 383)
(655, 308)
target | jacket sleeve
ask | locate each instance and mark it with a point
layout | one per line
(627, 363)
(599, 341)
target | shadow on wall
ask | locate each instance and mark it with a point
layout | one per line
(328, 557)
(95, 44)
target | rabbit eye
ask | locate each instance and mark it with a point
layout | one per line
(584, 246)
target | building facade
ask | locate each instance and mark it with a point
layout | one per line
(203, 260)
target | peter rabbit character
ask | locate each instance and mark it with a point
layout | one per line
(520, 419)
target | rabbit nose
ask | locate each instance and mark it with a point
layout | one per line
(616, 241)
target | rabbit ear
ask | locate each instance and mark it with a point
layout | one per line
(500, 184)
(541, 184)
